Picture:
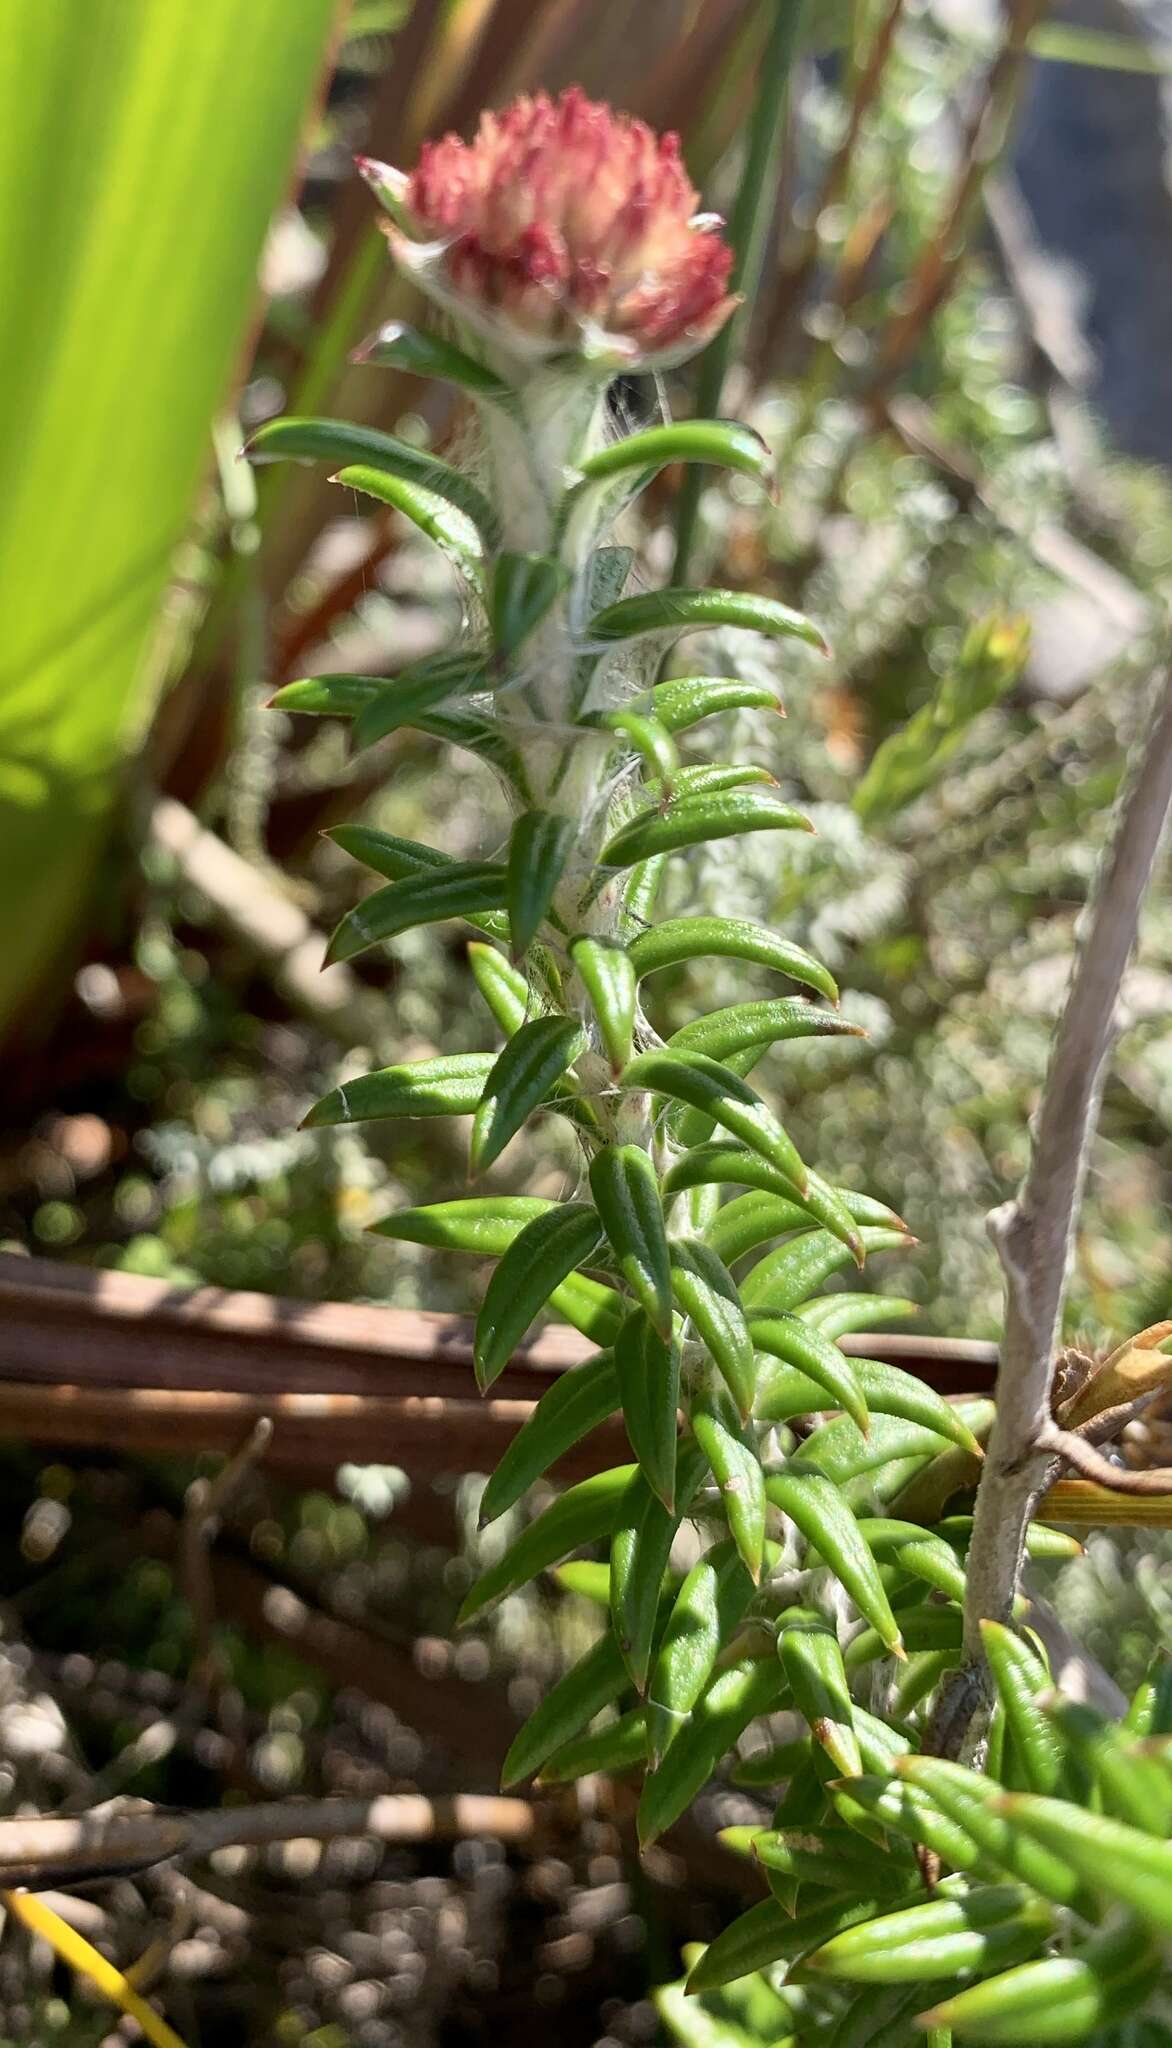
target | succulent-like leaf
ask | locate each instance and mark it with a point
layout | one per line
(461, 889)
(662, 615)
(539, 846)
(733, 1699)
(450, 1085)
(538, 1260)
(396, 346)
(341, 443)
(626, 1192)
(707, 1086)
(696, 817)
(592, 1683)
(730, 938)
(523, 1075)
(581, 1515)
(524, 588)
(573, 1404)
(818, 1510)
(609, 980)
(648, 1370)
(707, 1294)
(453, 532)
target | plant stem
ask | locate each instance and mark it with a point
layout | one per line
(748, 228)
(1034, 1233)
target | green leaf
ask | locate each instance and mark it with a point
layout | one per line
(648, 1370)
(908, 1812)
(485, 1225)
(642, 1539)
(705, 1085)
(1019, 1677)
(591, 1684)
(382, 851)
(146, 150)
(797, 1344)
(708, 1607)
(1131, 1786)
(649, 739)
(707, 1294)
(414, 691)
(976, 1805)
(461, 889)
(684, 701)
(832, 1856)
(592, 1308)
(626, 1191)
(732, 1453)
(751, 1024)
(698, 818)
(328, 696)
(608, 977)
(398, 347)
(524, 588)
(990, 661)
(784, 1278)
(885, 1389)
(450, 1085)
(812, 1662)
(522, 1077)
(663, 615)
(731, 938)
(984, 1929)
(766, 1934)
(453, 532)
(1121, 1863)
(620, 1746)
(837, 1315)
(733, 1699)
(573, 1404)
(537, 1261)
(511, 998)
(1058, 1999)
(723, 442)
(539, 847)
(757, 1218)
(583, 1514)
(819, 1512)
(342, 443)
(842, 1452)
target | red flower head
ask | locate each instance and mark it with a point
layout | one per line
(563, 227)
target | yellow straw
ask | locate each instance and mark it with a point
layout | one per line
(75, 1950)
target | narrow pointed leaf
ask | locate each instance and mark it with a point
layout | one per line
(340, 443)
(572, 1405)
(707, 1293)
(650, 740)
(986, 1929)
(700, 938)
(592, 1683)
(975, 1804)
(453, 532)
(462, 889)
(523, 1075)
(509, 995)
(609, 980)
(736, 1467)
(833, 1856)
(766, 1934)
(733, 1699)
(785, 1278)
(619, 1747)
(746, 1024)
(399, 347)
(1058, 1999)
(394, 858)
(451, 1085)
(885, 1389)
(695, 819)
(812, 1662)
(794, 1342)
(626, 1192)
(328, 696)
(539, 847)
(648, 1372)
(705, 1085)
(723, 442)
(583, 1514)
(819, 1512)
(524, 588)
(684, 701)
(1120, 1863)
(708, 1607)
(642, 1539)
(839, 1315)
(537, 1261)
(665, 614)
(415, 691)
(481, 1224)
(1019, 1678)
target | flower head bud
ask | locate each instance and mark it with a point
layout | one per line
(565, 228)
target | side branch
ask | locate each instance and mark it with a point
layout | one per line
(1034, 1233)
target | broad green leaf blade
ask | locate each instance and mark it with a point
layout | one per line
(626, 1191)
(523, 1075)
(583, 1514)
(539, 847)
(608, 977)
(663, 615)
(398, 347)
(697, 817)
(463, 888)
(343, 444)
(450, 1085)
(143, 152)
(705, 1085)
(730, 938)
(536, 1262)
(572, 1405)
(684, 700)
(452, 531)
(648, 1370)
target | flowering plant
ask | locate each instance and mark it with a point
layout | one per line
(563, 246)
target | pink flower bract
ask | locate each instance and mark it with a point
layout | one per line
(565, 219)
